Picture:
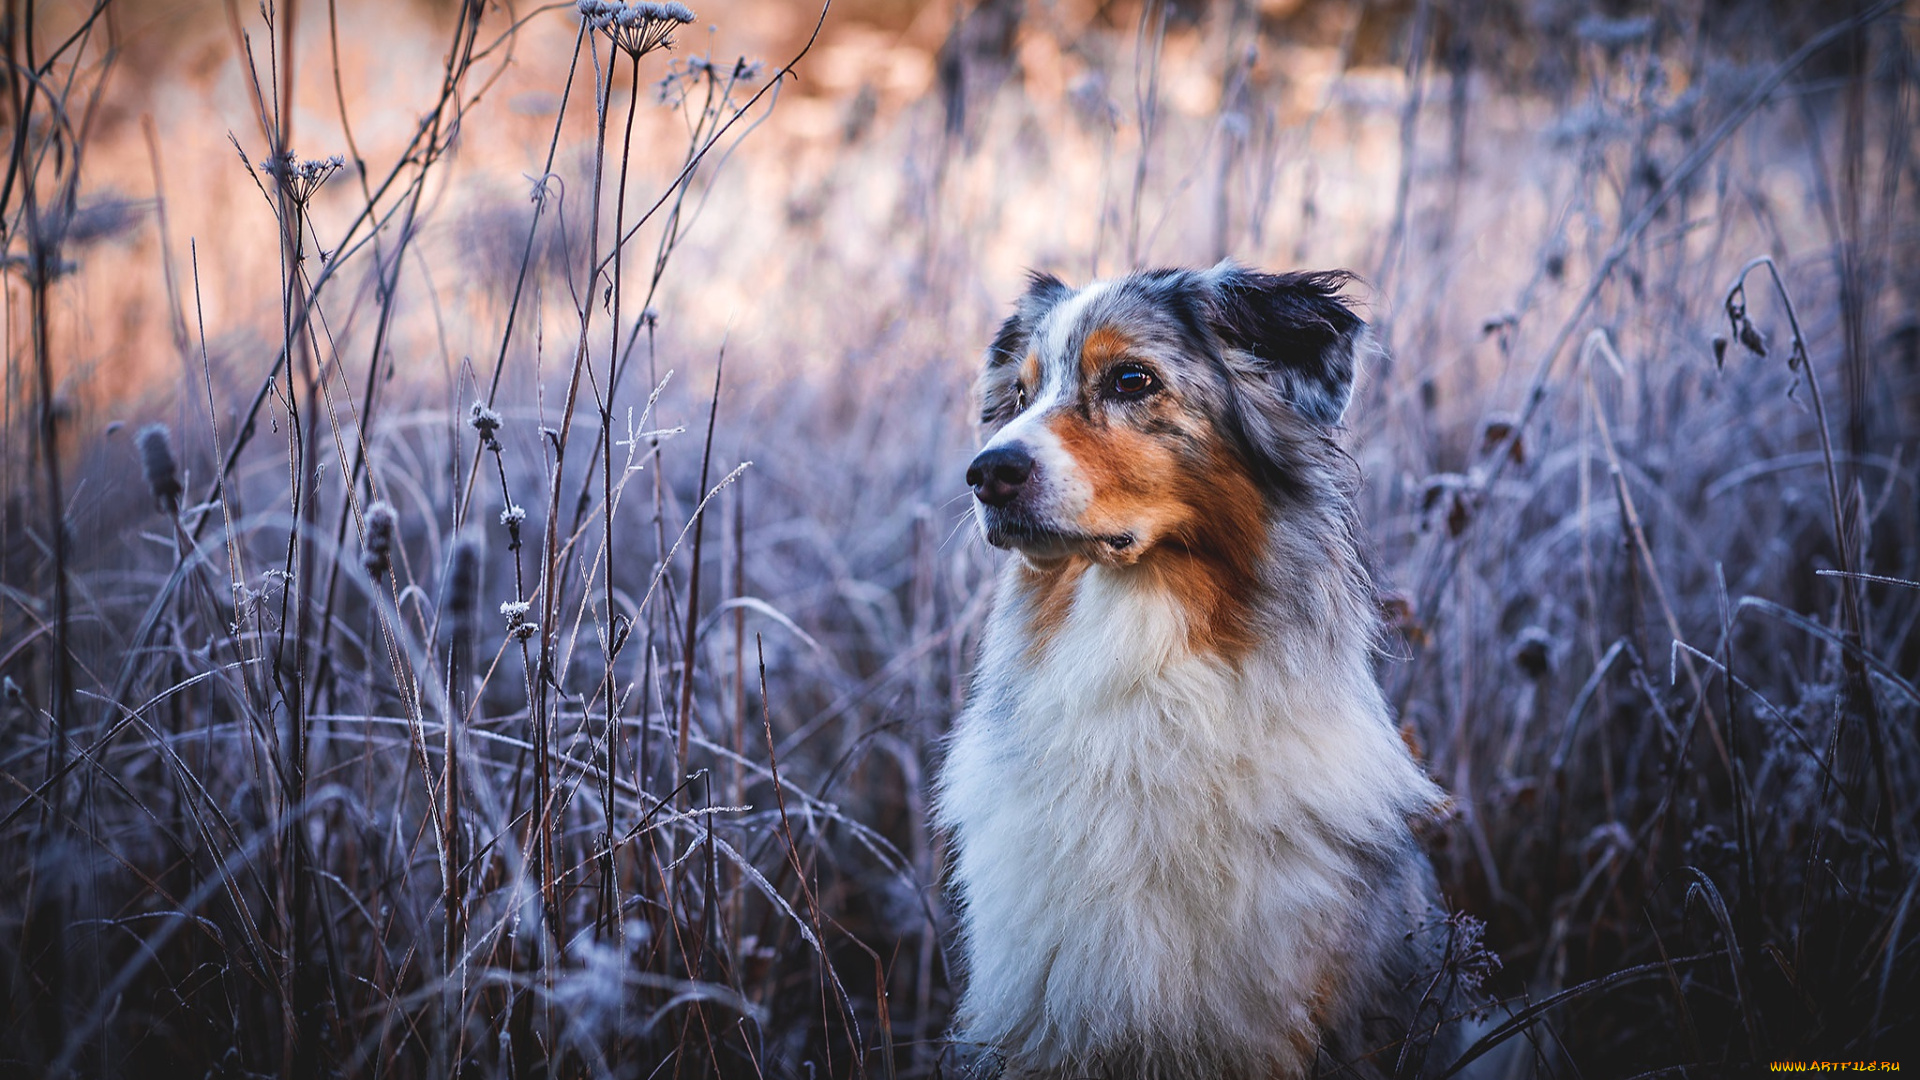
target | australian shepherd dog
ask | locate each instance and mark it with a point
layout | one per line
(1180, 813)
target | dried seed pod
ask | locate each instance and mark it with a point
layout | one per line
(486, 422)
(378, 554)
(462, 593)
(1533, 652)
(519, 627)
(513, 517)
(156, 462)
(1498, 429)
(1396, 610)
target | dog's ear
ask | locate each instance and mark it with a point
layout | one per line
(1297, 331)
(997, 385)
(1016, 334)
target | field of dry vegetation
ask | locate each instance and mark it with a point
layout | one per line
(487, 603)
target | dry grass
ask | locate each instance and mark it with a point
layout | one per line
(527, 652)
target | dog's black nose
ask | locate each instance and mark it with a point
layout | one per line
(997, 474)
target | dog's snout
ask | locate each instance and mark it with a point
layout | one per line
(997, 475)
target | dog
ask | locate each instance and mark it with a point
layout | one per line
(1181, 818)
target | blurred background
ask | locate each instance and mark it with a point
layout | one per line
(518, 651)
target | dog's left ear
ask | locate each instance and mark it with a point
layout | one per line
(1297, 330)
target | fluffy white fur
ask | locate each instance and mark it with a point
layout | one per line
(1170, 866)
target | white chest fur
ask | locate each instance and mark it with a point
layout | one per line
(1163, 857)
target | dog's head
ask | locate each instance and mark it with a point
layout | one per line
(1167, 409)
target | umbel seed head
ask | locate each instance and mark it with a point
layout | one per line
(301, 177)
(639, 28)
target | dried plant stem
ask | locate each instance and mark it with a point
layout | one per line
(1675, 182)
(543, 826)
(421, 153)
(685, 712)
(387, 278)
(453, 850)
(608, 922)
(60, 659)
(49, 903)
(1149, 41)
(1597, 344)
(1859, 687)
(1417, 49)
(526, 258)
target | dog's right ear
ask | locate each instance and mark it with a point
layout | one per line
(1297, 331)
(1012, 343)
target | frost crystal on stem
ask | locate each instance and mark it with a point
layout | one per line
(485, 421)
(519, 627)
(512, 517)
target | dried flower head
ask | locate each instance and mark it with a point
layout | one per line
(156, 462)
(378, 554)
(301, 177)
(486, 422)
(696, 73)
(519, 627)
(513, 517)
(1465, 958)
(639, 28)
(101, 219)
(1533, 652)
(60, 226)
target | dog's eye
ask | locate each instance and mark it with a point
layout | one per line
(1132, 382)
(1019, 400)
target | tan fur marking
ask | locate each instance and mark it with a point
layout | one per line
(1049, 589)
(1200, 529)
(1411, 737)
(1327, 991)
(1134, 478)
(1101, 347)
(1030, 374)
(1212, 561)
(1331, 988)
(1304, 1043)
